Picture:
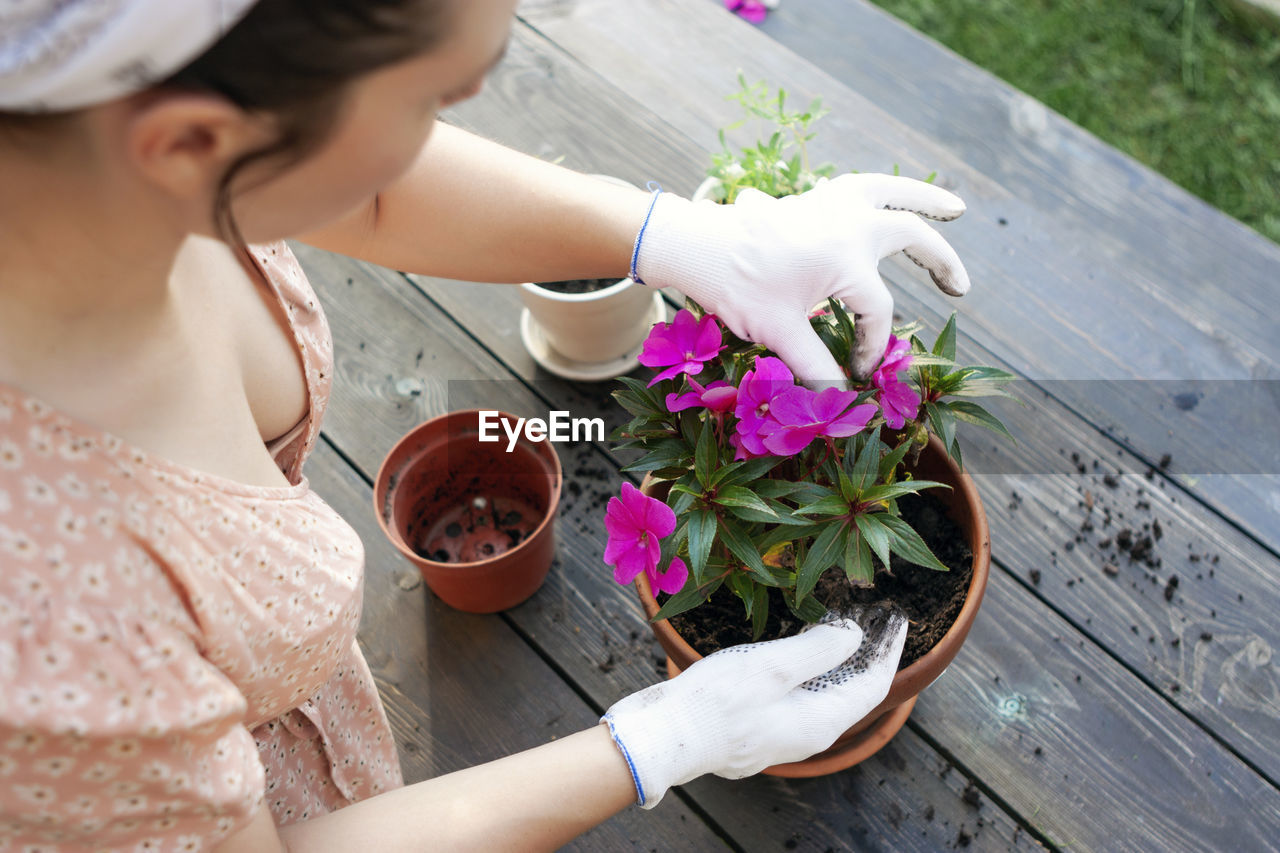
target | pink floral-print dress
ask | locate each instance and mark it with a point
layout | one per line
(177, 650)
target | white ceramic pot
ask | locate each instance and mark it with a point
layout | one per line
(589, 335)
(706, 189)
(592, 328)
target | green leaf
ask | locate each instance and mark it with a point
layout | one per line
(830, 505)
(705, 457)
(747, 513)
(974, 414)
(686, 600)
(782, 533)
(682, 502)
(874, 534)
(823, 554)
(926, 359)
(671, 452)
(867, 465)
(889, 491)
(637, 399)
(743, 587)
(742, 548)
(907, 544)
(702, 533)
(737, 496)
(943, 423)
(847, 489)
(891, 460)
(842, 318)
(857, 559)
(809, 610)
(945, 345)
(776, 488)
(807, 493)
(759, 611)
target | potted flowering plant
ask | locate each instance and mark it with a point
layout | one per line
(780, 504)
(777, 165)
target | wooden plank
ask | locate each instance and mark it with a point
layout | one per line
(1229, 687)
(1061, 290)
(462, 689)
(598, 660)
(1239, 703)
(1057, 727)
(592, 628)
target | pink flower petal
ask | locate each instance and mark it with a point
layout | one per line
(673, 579)
(720, 397)
(660, 519)
(709, 339)
(626, 575)
(851, 422)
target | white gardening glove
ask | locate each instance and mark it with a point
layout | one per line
(749, 707)
(761, 264)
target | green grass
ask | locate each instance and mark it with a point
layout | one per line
(1185, 86)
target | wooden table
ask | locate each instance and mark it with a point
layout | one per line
(1087, 711)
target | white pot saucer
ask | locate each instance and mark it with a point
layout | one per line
(535, 341)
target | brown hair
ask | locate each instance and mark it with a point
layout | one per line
(291, 59)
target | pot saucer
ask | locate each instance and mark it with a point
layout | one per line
(535, 341)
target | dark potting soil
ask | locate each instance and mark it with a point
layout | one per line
(931, 599)
(587, 285)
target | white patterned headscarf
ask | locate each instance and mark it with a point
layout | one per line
(65, 54)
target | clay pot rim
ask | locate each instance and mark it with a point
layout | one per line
(551, 463)
(954, 636)
(604, 293)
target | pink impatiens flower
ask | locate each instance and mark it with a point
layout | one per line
(636, 523)
(898, 401)
(719, 396)
(753, 10)
(682, 345)
(801, 415)
(759, 386)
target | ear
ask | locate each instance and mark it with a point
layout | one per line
(183, 143)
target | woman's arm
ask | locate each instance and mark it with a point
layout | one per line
(534, 800)
(733, 713)
(471, 209)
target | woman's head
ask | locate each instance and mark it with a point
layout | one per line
(301, 111)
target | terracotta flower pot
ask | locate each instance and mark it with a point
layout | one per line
(865, 738)
(477, 521)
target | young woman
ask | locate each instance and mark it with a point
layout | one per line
(178, 667)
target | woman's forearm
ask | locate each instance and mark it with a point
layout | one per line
(534, 800)
(472, 209)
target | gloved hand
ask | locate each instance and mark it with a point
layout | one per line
(749, 707)
(762, 263)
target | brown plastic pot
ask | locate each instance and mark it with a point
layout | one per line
(477, 521)
(876, 729)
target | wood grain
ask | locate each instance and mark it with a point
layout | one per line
(1102, 268)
